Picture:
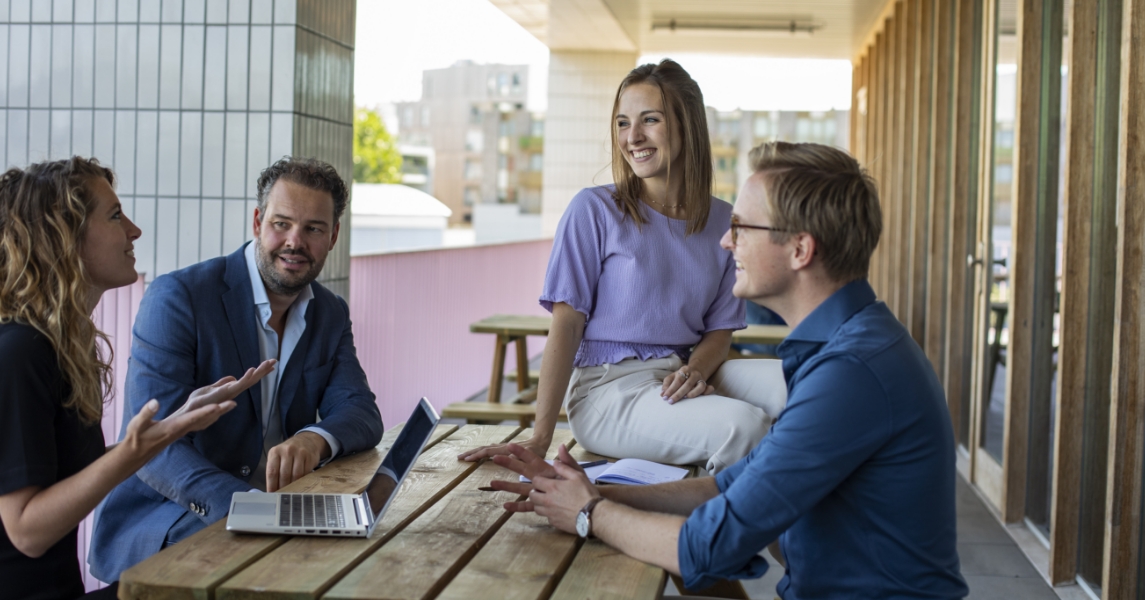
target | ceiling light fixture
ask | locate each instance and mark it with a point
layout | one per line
(770, 27)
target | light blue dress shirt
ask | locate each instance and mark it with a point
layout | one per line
(268, 343)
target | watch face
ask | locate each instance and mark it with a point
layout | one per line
(582, 524)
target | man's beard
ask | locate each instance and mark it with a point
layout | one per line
(280, 283)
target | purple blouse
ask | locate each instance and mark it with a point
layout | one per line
(647, 293)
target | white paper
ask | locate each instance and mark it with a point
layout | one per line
(631, 471)
(635, 471)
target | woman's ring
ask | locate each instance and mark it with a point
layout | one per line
(684, 375)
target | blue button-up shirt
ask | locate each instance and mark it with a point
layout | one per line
(856, 476)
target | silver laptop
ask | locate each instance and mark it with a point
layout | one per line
(345, 515)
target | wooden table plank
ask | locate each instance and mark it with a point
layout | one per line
(761, 334)
(523, 560)
(601, 572)
(513, 325)
(422, 558)
(195, 566)
(304, 566)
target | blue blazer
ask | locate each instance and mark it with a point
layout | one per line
(195, 326)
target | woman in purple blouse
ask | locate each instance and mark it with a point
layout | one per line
(641, 296)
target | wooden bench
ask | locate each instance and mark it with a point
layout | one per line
(771, 335)
(483, 412)
(521, 407)
(508, 329)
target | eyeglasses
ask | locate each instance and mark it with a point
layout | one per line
(736, 226)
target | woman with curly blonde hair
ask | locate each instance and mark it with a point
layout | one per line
(64, 241)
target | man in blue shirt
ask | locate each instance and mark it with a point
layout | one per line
(856, 476)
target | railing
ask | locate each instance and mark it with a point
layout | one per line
(114, 315)
(411, 314)
(412, 311)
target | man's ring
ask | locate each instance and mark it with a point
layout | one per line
(702, 384)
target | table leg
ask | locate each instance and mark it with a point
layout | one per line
(494, 394)
(522, 364)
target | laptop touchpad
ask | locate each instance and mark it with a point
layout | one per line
(257, 509)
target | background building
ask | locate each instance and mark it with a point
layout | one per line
(735, 133)
(187, 102)
(487, 147)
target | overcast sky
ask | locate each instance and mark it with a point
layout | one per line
(398, 39)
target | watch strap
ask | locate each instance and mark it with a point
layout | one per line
(587, 512)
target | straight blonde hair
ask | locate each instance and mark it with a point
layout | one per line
(43, 281)
(822, 191)
(683, 105)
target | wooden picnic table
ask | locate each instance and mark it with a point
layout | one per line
(512, 329)
(441, 538)
(516, 328)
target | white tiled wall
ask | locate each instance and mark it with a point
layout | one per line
(582, 86)
(187, 100)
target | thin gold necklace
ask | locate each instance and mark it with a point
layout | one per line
(664, 206)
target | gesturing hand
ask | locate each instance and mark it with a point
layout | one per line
(684, 383)
(224, 389)
(557, 491)
(145, 437)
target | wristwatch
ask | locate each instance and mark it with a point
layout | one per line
(584, 518)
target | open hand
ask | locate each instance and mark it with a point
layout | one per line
(557, 492)
(145, 437)
(684, 383)
(224, 389)
(537, 446)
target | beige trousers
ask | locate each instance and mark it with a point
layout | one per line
(616, 410)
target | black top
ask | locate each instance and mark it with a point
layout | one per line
(40, 443)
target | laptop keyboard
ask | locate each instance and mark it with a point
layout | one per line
(311, 510)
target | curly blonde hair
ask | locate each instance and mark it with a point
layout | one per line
(43, 281)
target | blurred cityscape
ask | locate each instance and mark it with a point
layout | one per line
(471, 144)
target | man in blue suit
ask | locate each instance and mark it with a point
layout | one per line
(216, 318)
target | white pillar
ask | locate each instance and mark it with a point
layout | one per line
(582, 86)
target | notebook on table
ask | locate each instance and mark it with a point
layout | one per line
(630, 471)
(345, 515)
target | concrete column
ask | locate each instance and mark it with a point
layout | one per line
(582, 86)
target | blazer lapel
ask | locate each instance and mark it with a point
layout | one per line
(238, 301)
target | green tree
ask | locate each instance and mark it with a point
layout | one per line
(376, 157)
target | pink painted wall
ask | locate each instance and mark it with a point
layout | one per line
(411, 314)
(412, 310)
(114, 316)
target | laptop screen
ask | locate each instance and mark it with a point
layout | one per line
(400, 459)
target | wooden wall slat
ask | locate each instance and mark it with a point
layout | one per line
(904, 158)
(890, 162)
(938, 195)
(1127, 413)
(962, 206)
(877, 160)
(1077, 240)
(924, 73)
(1029, 360)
